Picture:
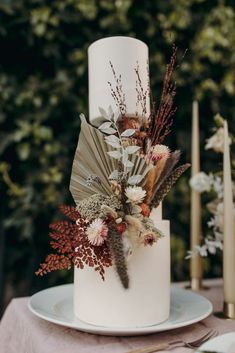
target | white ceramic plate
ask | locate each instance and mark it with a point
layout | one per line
(56, 305)
(222, 344)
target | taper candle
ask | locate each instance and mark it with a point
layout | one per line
(196, 261)
(229, 233)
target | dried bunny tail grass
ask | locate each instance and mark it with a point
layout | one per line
(169, 166)
(168, 183)
(134, 227)
(116, 246)
(109, 211)
(152, 178)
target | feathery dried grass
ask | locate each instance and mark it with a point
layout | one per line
(116, 246)
(168, 183)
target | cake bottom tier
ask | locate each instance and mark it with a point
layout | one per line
(145, 303)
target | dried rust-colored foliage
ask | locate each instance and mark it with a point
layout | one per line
(72, 246)
(161, 118)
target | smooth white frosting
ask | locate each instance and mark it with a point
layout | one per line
(146, 302)
(124, 53)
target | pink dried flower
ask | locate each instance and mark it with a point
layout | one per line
(157, 153)
(149, 237)
(97, 232)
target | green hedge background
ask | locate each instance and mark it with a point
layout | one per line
(43, 88)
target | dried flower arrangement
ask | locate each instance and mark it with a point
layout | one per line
(126, 172)
(212, 184)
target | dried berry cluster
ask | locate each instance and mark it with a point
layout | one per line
(72, 246)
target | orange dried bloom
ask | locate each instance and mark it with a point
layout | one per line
(145, 209)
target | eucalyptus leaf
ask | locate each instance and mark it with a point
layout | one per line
(103, 113)
(112, 138)
(124, 158)
(108, 130)
(114, 175)
(132, 149)
(110, 112)
(105, 125)
(135, 179)
(115, 154)
(113, 144)
(129, 164)
(116, 116)
(113, 141)
(128, 133)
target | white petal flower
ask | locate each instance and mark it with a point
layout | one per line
(211, 223)
(97, 232)
(218, 186)
(202, 250)
(216, 141)
(135, 194)
(219, 217)
(201, 182)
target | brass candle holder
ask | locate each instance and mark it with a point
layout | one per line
(229, 310)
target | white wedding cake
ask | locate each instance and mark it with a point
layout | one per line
(147, 300)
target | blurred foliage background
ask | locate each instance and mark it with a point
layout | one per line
(43, 88)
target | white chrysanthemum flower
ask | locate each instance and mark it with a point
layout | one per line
(201, 182)
(135, 194)
(97, 232)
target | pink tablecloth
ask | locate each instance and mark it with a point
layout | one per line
(22, 332)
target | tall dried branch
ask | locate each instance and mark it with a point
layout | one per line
(117, 91)
(142, 94)
(161, 118)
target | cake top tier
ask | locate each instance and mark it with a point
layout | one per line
(123, 55)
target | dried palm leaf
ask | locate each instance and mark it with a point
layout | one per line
(152, 178)
(91, 159)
